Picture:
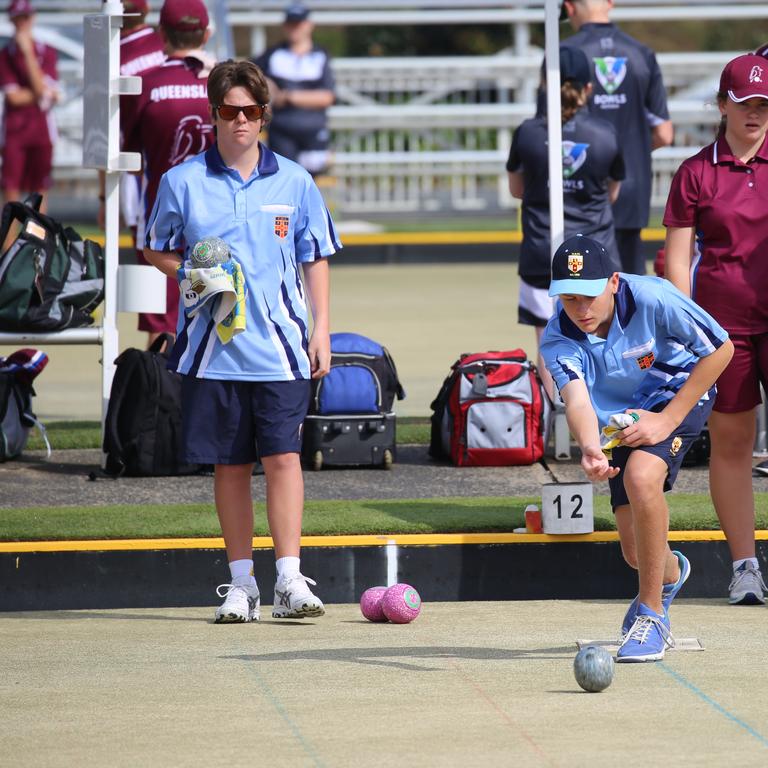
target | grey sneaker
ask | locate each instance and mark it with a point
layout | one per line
(294, 599)
(241, 603)
(747, 586)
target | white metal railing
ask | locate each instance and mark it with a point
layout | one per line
(405, 182)
(433, 129)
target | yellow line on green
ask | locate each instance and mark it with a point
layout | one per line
(407, 539)
(479, 237)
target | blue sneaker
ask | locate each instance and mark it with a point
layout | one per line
(668, 593)
(648, 638)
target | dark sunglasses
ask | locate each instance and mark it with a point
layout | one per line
(252, 112)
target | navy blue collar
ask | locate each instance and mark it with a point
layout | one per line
(624, 309)
(625, 304)
(267, 161)
(569, 329)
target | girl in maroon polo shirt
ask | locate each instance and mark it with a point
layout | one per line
(716, 246)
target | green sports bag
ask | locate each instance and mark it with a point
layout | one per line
(50, 278)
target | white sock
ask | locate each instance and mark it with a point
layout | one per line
(287, 567)
(751, 560)
(241, 572)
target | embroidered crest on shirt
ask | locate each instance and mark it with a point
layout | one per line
(575, 263)
(610, 71)
(281, 226)
(646, 361)
(677, 443)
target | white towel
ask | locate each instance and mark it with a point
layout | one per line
(199, 285)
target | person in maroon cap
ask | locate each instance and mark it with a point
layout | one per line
(170, 122)
(29, 79)
(717, 236)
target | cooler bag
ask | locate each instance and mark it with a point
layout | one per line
(492, 410)
(350, 420)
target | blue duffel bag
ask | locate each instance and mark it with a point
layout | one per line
(362, 379)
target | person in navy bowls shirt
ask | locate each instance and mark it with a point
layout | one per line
(301, 85)
(628, 91)
(717, 240)
(592, 171)
(630, 344)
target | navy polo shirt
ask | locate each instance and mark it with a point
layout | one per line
(591, 156)
(629, 92)
(306, 72)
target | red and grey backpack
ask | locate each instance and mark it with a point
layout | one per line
(492, 410)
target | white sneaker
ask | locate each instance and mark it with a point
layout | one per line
(747, 586)
(241, 603)
(294, 599)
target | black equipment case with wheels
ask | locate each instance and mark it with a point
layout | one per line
(350, 420)
(349, 440)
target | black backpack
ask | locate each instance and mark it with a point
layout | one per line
(50, 279)
(142, 433)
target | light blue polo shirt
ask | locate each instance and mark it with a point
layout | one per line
(272, 221)
(656, 337)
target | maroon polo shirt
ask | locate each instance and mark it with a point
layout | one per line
(140, 50)
(726, 201)
(168, 122)
(30, 124)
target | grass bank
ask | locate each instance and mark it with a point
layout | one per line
(443, 515)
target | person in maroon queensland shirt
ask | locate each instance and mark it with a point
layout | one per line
(170, 122)
(717, 239)
(29, 80)
(141, 49)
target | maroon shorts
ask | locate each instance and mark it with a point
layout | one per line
(26, 168)
(738, 388)
(161, 322)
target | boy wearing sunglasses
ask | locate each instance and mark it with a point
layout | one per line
(248, 399)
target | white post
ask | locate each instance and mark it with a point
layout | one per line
(110, 345)
(554, 128)
(103, 87)
(555, 159)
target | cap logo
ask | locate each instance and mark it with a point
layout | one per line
(575, 263)
(756, 74)
(190, 20)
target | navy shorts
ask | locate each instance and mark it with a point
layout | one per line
(236, 422)
(671, 451)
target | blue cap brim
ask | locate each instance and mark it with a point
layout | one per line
(578, 287)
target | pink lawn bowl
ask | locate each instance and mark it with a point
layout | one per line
(401, 603)
(370, 604)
